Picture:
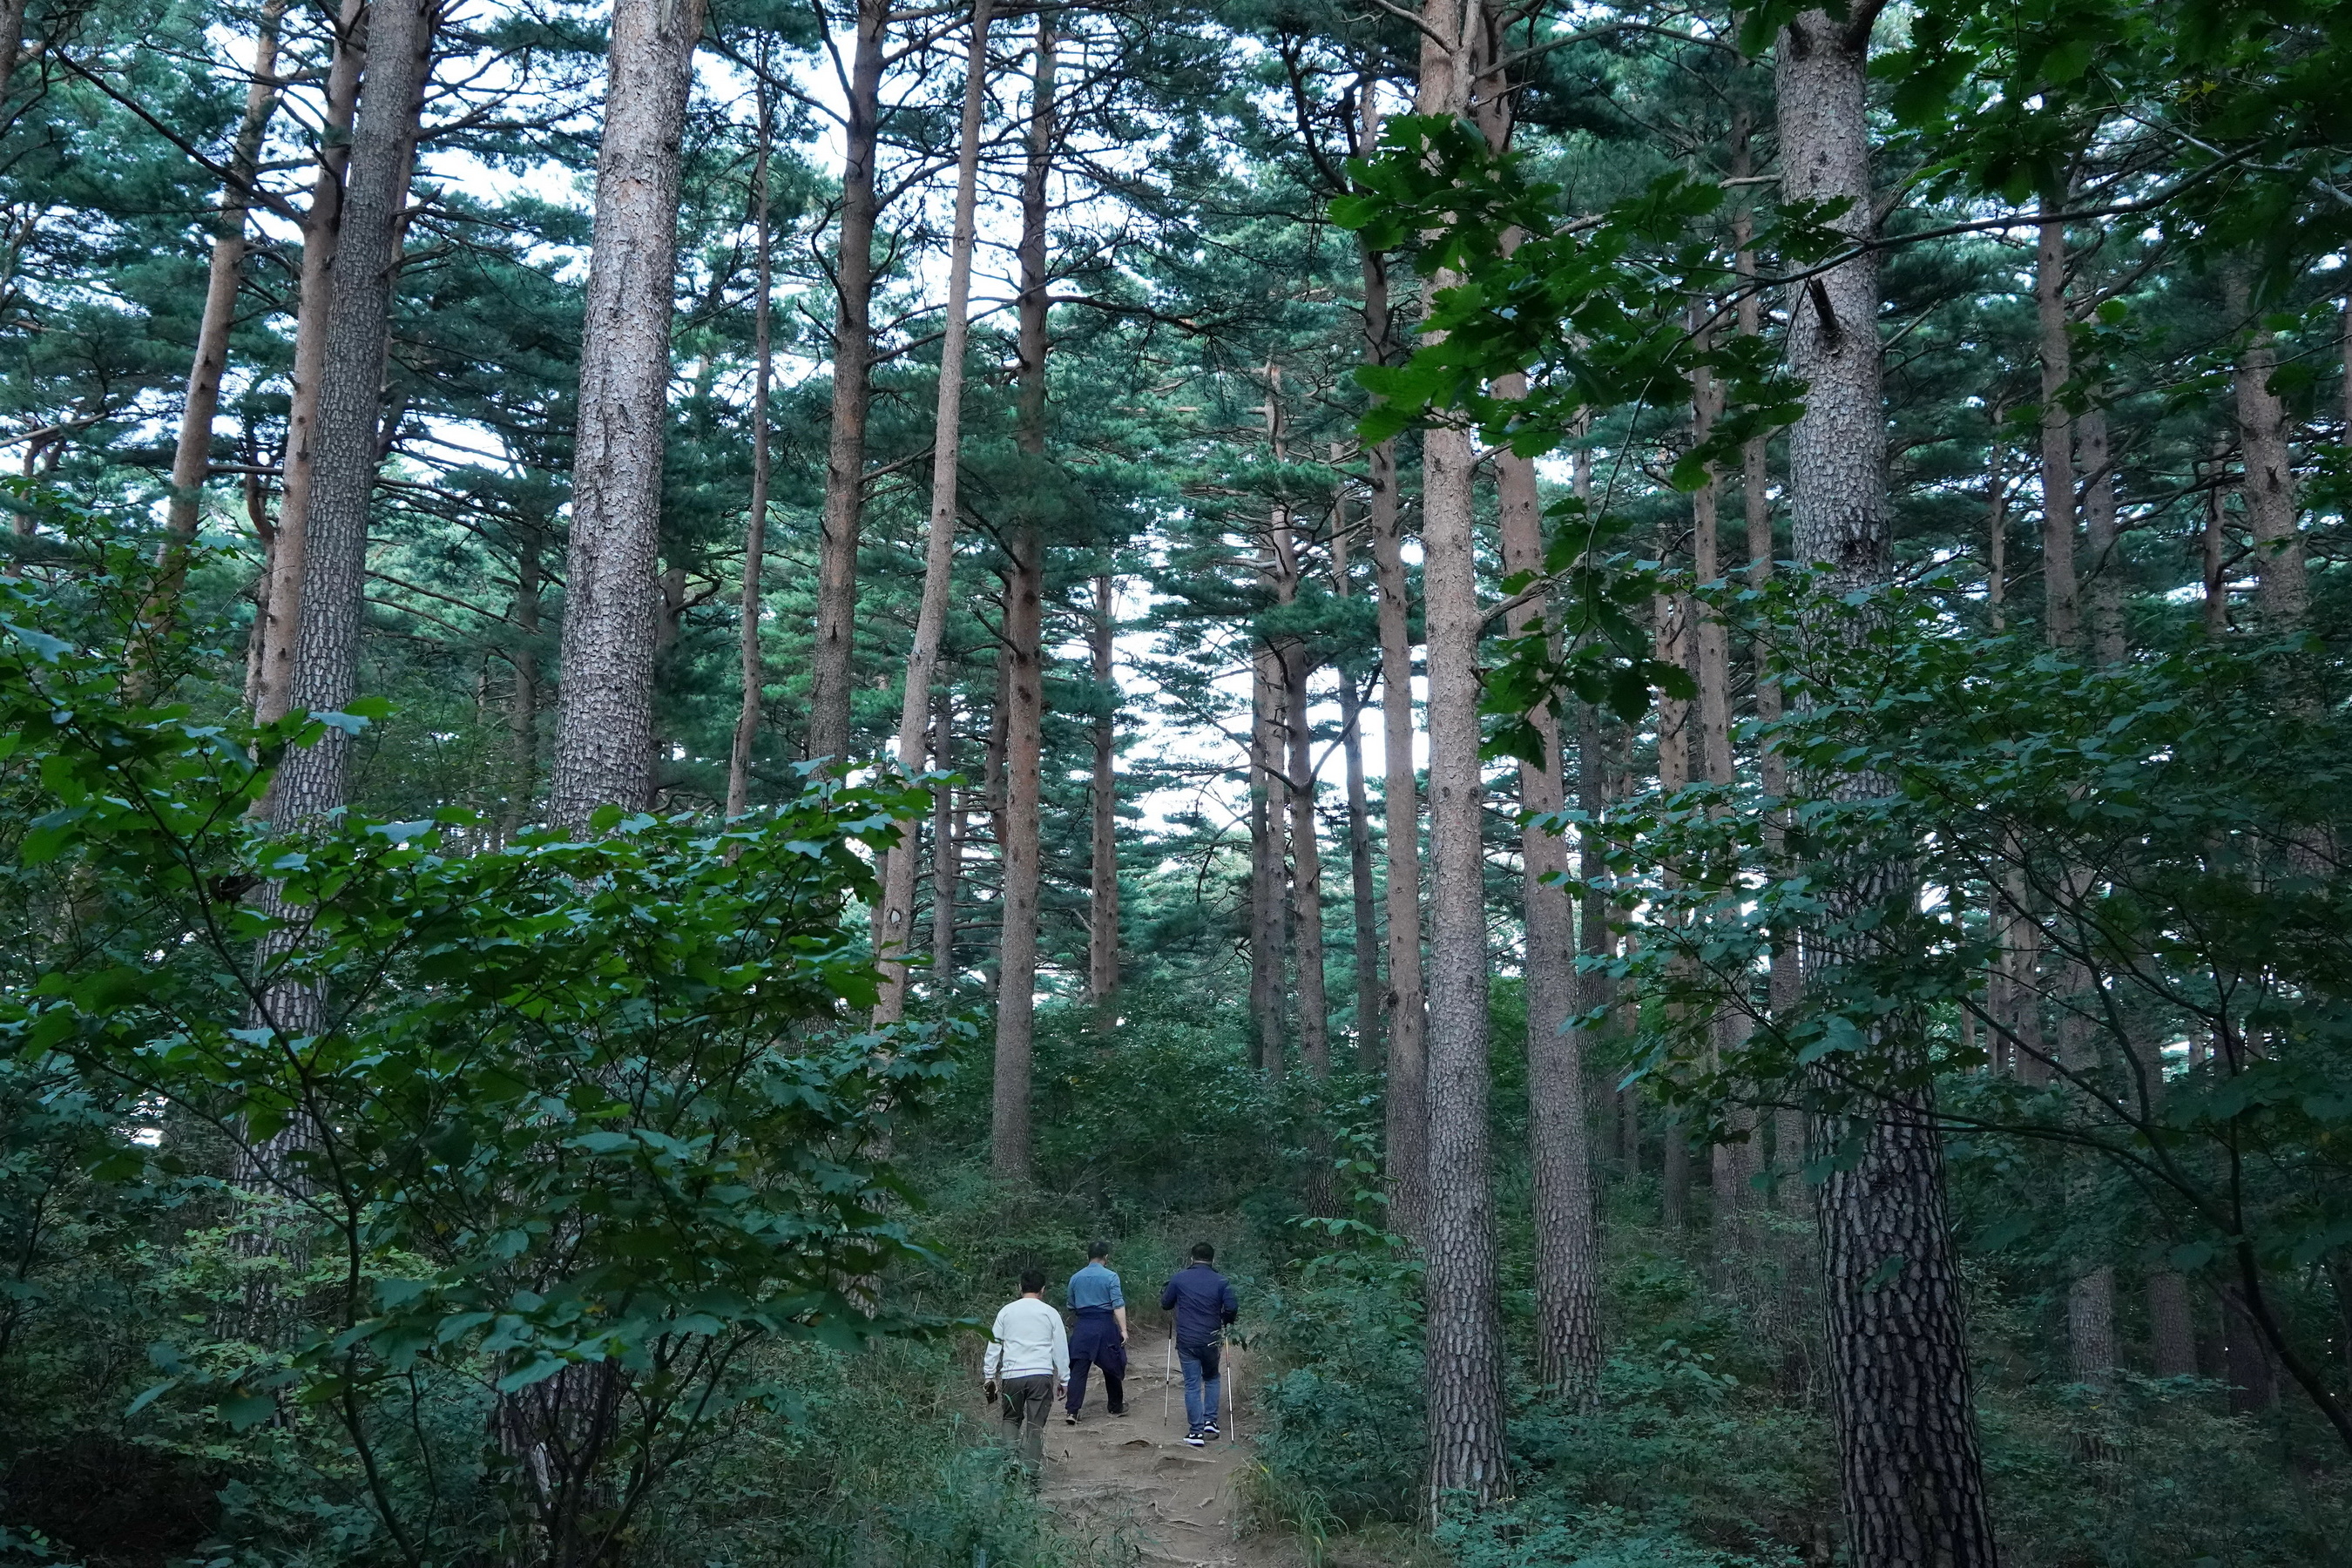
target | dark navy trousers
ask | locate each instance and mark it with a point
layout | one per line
(1094, 1344)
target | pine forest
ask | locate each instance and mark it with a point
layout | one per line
(1614, 737)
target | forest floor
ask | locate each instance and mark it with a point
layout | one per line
(1129, 1483)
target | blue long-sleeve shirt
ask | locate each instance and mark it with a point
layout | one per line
(1203, 1302)
(1095, 1289)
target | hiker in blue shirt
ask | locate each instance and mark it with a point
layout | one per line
(1099, 1340)
(1203, 1302)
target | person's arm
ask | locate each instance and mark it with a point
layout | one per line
(994, 1358)
(1119, 1307)
(1118, 1316)
(1168, 1298)
(1060, 1357)
(1229, 1306)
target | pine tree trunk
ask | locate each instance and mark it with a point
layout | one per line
(2215, 540)
(605, 729)
(1299, 793)
(2060, 591)
(938, 544)
(755, 529)
(522, 711)
(1996, 531)
(1016, 995)
(853, 365)
(12, 40)
(325, 677)
(2285, 593)
(1671, 644)
(1269, 817)
(948, 813)
(280, 618)
(1567, 1306)
(2104, 528)
(1364, 898)
(1406, 1132)
(1910, 1473)
(2172, 1330)
(1102, 907)
(192, 454)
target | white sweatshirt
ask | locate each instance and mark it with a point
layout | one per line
(1028, 1341)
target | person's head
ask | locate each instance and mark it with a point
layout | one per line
(1204, 1253)
(1096, 1252)
(1032, 1281)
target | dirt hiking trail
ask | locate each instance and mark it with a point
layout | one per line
(1129, 1483)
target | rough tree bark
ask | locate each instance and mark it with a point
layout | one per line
(2104, 597)
(2060, 591)
(1102, 901)
(280, 601)
(192, 456)
(348, 441)
(896, 930)
(1407, 1116)
(949, 811)
(1910, 1473)
(2283, 591)
(755, 528)
(1568, 1304)
(1269, 814)
(853, 367)
(1364, 899)
(604, 727)
(1671, 644)
(1465, 1328)
(1297, 760)
(1016, 995)
(522, 709)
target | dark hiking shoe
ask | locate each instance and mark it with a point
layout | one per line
(1194, 1440)
(1071, 1419)
(1211, 1431)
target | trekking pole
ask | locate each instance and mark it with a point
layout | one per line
(1166, 1378)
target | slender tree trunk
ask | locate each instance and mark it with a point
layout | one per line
(1730, 1165)
(522, 712)
(947, 844)
(2060, 591)
(1996, 530)
(2105, 598)
(1782, 983)
(755, 529)
(12, 40)
(1364, 898)
(282, 600)
(1671, 644)
(1102, 908)
(1568, 1304)
(2284, 593)
(852, 362)
(1407, 1110)
(1016, 997)
(349, 451)
(2215, 540)
(1465, 1330)
(604, 732)
(1269, 815)
(1910, 1472)
(1297, 761)
(192, 456)
(938, 544)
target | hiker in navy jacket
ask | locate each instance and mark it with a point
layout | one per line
(1203, 1302)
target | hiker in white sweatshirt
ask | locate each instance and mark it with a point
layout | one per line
(1028, 1364)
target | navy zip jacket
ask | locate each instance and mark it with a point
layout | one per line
(1203, 1302)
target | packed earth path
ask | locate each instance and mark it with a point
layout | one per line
(1130, 1482)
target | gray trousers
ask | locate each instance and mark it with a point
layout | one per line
(1028, 1403)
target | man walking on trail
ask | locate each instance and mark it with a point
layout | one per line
(1028, 1362)
(1100, 1338)
(1203, 1302)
